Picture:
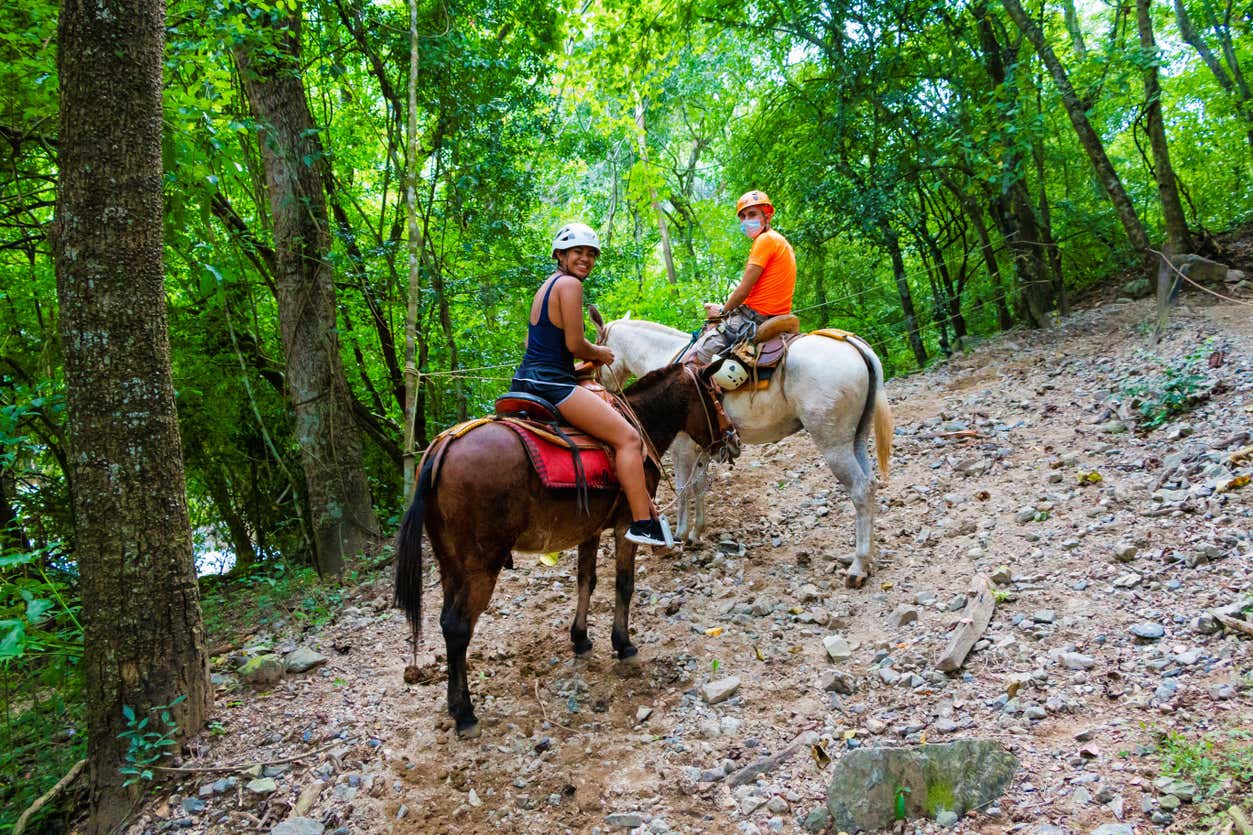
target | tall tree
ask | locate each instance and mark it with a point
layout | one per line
(1083, 128)
(144, 642)
(1163, 171)
(339, 496)
(1234, 82)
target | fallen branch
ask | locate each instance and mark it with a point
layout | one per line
(70, 777)
(750, 772)
(1241, 626)
(974, 620)
(1236, 815)
(544, 710)
(245, 766)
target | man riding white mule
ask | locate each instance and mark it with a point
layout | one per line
(765, 289)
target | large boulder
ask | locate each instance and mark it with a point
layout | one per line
(870, 784)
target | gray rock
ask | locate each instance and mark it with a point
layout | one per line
(262, 671)
(299, 826)
(642, 713)
(818, 820)
(303, 659)
(954, 776)
(1024, 515)
(838, 649)
(1125, 552)
(1169, 802)
(888, 675)
(1114, 829)
(1181, 789)
(1077, 661)
(625, 820)
(836, 681)
(1001, 576)
(947, 818)
(193, 805)
(1147, 631)
(721, 690)
(1044, 616)
(901, 616)
(1127, 581)
(262, 785)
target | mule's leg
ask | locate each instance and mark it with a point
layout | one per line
(587, 585)
(464, 601)
(858, 478)
(686, 478)
(624, 590)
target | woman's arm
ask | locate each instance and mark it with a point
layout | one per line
(569, 292)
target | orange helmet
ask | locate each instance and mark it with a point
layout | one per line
(754, 198)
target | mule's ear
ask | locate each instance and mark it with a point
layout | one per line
(598, 321)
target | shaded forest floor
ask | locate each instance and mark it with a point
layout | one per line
(993, 469)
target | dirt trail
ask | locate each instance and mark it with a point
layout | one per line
(1007, 428)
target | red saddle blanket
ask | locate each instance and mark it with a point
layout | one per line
(555, 463)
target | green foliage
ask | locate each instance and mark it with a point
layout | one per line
(1176, 390)
(1219, 764)
(147, 743)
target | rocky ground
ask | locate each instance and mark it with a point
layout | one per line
(1014, 460)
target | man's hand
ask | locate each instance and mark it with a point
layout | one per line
(713, 311)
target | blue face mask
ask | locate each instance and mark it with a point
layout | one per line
(748, 227)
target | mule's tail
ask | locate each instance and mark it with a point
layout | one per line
(409, 555)
(884, 427)
(877, 411)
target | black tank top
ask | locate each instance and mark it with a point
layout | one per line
(546, 343)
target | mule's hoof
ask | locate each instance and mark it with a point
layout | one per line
(628, 653)
(469, 730)
(854, 581)
(582, 647)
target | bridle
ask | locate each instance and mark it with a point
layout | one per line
(726, 440)
(725, 445)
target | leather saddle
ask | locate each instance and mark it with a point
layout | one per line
(763, 353)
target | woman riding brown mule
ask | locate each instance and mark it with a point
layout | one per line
(489, 501)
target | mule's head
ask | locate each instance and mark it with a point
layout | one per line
(707, 422)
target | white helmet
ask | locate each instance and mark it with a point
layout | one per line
(730, 374)
(576, 234)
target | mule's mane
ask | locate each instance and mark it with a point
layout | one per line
(644, 324)
(661, 404)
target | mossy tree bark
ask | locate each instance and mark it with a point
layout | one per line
(144, 641)
(339, 498)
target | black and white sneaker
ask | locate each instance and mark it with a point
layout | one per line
(646, 532)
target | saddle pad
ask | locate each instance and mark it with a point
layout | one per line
(555, 464)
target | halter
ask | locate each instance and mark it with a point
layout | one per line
(726, 440)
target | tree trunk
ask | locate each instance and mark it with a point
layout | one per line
(1012, 206)
(667, 255)
(1241, 92)
(1172, 209)
(1074, 27)
(414, 249)
(1003, 319)
(144, 643)
(893, 244)
(1087, 136)
(1046, 232)
(330, 445)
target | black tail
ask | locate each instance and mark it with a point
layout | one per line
(409, 555)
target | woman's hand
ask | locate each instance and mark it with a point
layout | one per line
(713, 311)
(605, 355)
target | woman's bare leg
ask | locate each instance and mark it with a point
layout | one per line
(594, 416)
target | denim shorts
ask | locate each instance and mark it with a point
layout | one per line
(549, 383)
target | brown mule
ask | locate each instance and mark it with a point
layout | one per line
(489, 501)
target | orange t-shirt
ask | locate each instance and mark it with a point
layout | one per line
(772, 294)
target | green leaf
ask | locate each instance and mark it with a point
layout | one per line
(13, 642)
